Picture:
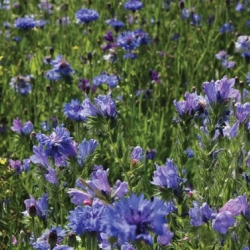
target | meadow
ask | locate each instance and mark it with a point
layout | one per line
(124, 124)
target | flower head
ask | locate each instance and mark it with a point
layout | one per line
(111, 80)
(25, 23)
(61, 66)
(24, 129)
(167, 236)
(107, 105)
(21, 84)
(223, 221)
(128, 40)
(133, 5)
(86, 15)
(242, 44)
(227, 27)
(73, 110)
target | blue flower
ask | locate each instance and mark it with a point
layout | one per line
(133, 5)
(25, 23)
(85, 149)
(195, 19)
(73, 110)
(107, 105)
(21, 84)
(58, 143)
(86, 219)
(128, 40)
(39, 157)
(223, 221)
(52, 75)
(143, 37)
(133, 218)
(227, 27)
(24, 129)
(166, 238)
(111, 80)
(50, 176)
(137, 153)
(116, 24)
(166, 176)
(86, 15)
(61, 66)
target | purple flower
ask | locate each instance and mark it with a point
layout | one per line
(133, 218)
(111, 80)
(52, 75)
(242, 111)
(195, 20)
(58, 143)
(37, 208)
(228, 64)
(200, 215)
(185, 13)
(222, 55)
(235, 206)
(128, 40)
(73, 110)
(150, 154)
(46, 6)
(86, 15)
(107, 105)
(143, 37)
(85, 86)
(137, 153)
(154, 76)
(223, 221)
(97, 187)
(133, 5)
(16, 165)
(86, 219)
(24, 129)
(220, 91)
(89, 109)
(109, 37)
(189, 152)
(26, 165)
(116, 24)
(39, 157)
(21, 84)
(227, 27)
(166, 176)
(167, 236)
(85, 149)
(61, 66)
(50, 176)
(242, 44)
(240, 7)
(248, 159)
(25, 23)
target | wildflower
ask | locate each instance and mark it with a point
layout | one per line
(61, 66)
(111, 57)
(200, 215)
(58, 143)
(25, 23)
(223, 221)
(185, 13)
(73, 110)
(52, 75)
(150, 154)
(109, 37)
(166, 176)
(46, 6)
(220, 91)
(97, 187)
(189, 152)
(242, 111)
(107, 105)
(195, 19)
(85, 86)
(222, 55)
(37, 208)
(133, 5)
(111, 80)
(50, 176)
(128, 40)
(5, 5)
(86, 15)
(24, 129)
(228, 64)
(116, 24)
(154, 76)
(235, 206)
(130, 56)
(166, 238)
(143, 37)
(16, 165)
(89, 109)
(39, 157)
(85, 149)
(242, 44)
(137, 153)
(133, 218)
(86, 219)
(21, 84)
(227, 27)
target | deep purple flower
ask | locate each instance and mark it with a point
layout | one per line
(223, 221)
(227, 27)
(38, 208)
(200, 215)
(85, 86)
(154, 76)
(86, 219)
(86, 15)
(73, 110)
(166, 176)
(236, 206)
(167, 236)
(109, 37)
(150, 154)
(220, 91)
(25, 23)
(128, 40)
(133, 5)
(133, 218)
(97, 187)
(21, 84)
(24, 129)
(107, 105)
(58, 143)
(110, 80)
(61, 66)
(85, 149)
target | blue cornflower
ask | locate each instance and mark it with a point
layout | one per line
(86, 15)
(195, 19)
(61, 66)
(200, 215)
(21, 84)
(52, 75)
(25, 23)
(133, 218)
(85, 149)
(185, 13)
(227, 27)
(133, 5)
(107, 105)
(111, 80)
(37, 208)
(73, 110)
(143, 37)
(242, 44)
(87, 219)
(128, 40)
(116, 24)
(24, 129)
(166, 176)
(58, 143)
